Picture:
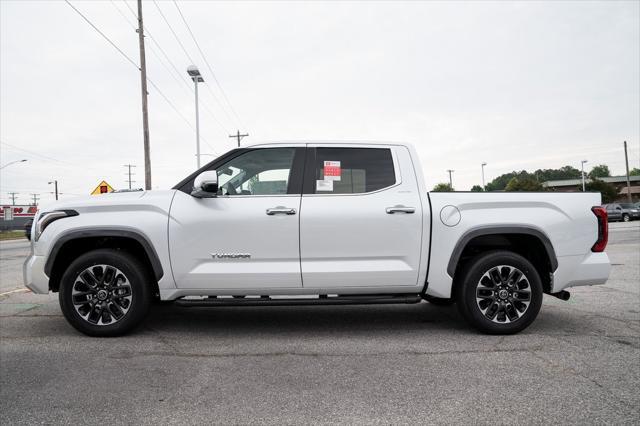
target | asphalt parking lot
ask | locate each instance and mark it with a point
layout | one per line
(578, 363)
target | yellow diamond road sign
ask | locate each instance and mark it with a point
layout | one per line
(102, 188)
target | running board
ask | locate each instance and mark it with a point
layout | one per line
(322, 300)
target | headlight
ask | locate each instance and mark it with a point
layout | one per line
(48, 217)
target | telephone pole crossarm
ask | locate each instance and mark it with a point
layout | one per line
(239, 136)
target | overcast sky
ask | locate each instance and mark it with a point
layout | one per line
(519, 85)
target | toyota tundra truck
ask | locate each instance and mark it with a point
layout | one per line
(315, 224)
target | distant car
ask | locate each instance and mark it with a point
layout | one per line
(614, 212)
(629, 212)
(622, 212)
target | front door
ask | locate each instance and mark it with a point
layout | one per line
(248, 236)
(361, 219)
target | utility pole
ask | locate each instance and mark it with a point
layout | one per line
(482, 166)
(239, 136)
(55, 182)
(626, 162)
(129, 166)
(35, 199)
(450, 179)
(13, 198)
(145, 112)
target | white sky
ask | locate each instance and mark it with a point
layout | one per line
(520, 85)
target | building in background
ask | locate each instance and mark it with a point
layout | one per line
(620, 182)
(16, 217)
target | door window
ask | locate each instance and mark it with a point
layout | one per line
(257, 172)
(353, 170)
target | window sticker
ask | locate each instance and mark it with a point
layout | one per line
(332, 170)
(324, 185)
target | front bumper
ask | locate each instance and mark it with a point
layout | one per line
(33, 274)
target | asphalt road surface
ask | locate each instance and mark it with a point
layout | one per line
(578, 363)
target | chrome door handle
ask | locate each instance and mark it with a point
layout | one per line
(400, 209)
(280, 210)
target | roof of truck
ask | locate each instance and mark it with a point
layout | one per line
(304, 142)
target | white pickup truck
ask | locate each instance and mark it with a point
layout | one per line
(315, 223)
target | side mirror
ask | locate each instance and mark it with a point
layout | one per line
(205, 185)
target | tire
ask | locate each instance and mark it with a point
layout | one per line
(439, 301)
(626, 218)
(111, 292)
(500, 308)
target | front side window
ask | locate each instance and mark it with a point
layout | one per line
(353, 170)
(257, 172)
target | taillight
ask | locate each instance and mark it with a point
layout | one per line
(603, 229)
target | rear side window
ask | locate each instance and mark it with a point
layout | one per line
(353, 170)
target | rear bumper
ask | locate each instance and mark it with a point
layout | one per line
(591, 269)
(33, 274)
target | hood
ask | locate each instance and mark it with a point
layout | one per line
(113, 201)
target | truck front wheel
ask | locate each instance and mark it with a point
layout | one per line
(500, 293)
(105, 293)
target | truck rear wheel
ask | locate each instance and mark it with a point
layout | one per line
(500, 293)
(104, 293)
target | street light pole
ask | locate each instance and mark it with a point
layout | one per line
(12, 162)
(55, 182)
(195, 75)
(582, 165)
(450, 179)
(482, 166)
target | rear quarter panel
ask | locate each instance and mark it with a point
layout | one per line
(565, 218)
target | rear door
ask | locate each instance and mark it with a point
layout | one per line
(361, 217)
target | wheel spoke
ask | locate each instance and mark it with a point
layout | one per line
(115, 311)
(495, 276)
(89, 278)
(109, 275)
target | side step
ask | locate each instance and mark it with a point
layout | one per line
(370, 299)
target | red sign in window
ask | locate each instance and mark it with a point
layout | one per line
(332, 170)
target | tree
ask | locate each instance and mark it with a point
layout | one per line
(566, 172)
(608, 191)
(523, 184)
(634, 172)
(477, 188)
(500, 183)
(443, 187)
(599, 171)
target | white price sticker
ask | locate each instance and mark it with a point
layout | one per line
(324, 185)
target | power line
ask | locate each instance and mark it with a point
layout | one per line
(178, 79)
(44, 157)
(103, 35)
(155, 86)
(222, 108)
(224, 95)
(173, 32)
